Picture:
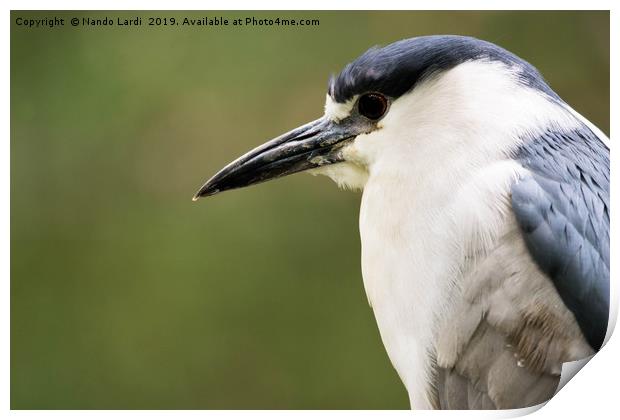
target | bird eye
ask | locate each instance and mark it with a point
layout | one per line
(372, 105)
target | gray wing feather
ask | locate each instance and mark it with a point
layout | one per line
(563, 212)
(488, 376)
(509, 332)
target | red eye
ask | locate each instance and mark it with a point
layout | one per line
(372, 105)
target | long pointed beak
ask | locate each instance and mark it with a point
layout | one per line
(315, 144)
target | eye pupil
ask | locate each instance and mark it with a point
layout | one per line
(372, 105)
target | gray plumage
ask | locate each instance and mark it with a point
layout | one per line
(504, 344)
(563, 211)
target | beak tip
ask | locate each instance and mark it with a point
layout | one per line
(205, 192)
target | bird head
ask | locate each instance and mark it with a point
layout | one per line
(380, 106)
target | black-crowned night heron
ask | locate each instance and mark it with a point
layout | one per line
(484, 218)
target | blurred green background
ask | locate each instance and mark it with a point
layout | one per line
(125, 294)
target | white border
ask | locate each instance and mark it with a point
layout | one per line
(592, 394)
